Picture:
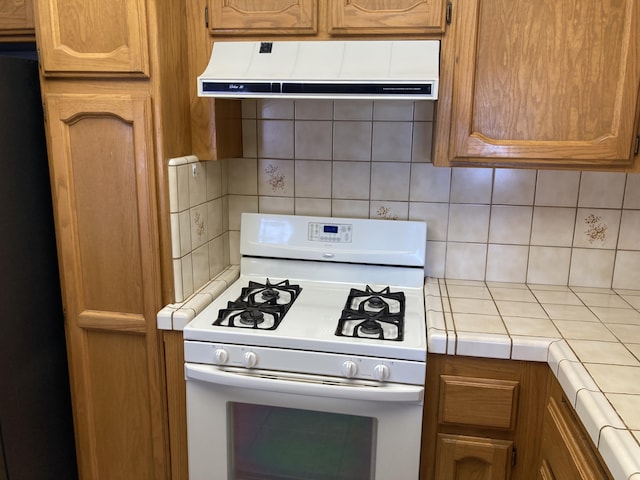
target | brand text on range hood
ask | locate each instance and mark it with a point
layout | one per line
(406, 69)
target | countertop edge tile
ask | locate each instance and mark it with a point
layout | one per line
(560, 351)
(473, 344)
(573, 377)
(530, 349)
(596, 413)
(620, 451)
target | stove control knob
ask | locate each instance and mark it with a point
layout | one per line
(249, 359)
(349, 369)
(222, 356)
(381, 372)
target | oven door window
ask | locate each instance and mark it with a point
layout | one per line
(275, 443)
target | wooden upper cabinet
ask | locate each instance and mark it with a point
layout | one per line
(16, 16)
(93, 37)
(247, 17)
(539, 83)
(386, 16)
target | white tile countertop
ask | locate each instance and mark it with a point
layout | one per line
(590, 338)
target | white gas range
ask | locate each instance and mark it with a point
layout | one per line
(322, 334)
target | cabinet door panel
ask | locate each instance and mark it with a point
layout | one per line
(15, 16)
(91, 36)
(242, 17)
(565, 453)
(100, 155)
(547, 83)
(386, 16)
(469, 458)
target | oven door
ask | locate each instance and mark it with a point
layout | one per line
(251, 424)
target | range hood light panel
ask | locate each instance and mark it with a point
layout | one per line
(406, 69)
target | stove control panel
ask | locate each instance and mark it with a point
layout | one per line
(330, 232)
(311, 363)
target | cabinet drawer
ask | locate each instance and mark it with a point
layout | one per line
(478, 402)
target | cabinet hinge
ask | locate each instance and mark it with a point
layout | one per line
(513, 457)
(206, 16)
(449, 13)
(636, 149)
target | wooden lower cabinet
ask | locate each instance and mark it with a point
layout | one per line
(482, 418)
(16, 19)
(103, 189)
(489, 419)
(461, 457)
(566, 452)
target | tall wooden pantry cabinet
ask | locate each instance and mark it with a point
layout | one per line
(115, 79)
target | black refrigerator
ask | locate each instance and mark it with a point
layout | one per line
(36, 426)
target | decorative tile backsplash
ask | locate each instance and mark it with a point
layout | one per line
(199, 236)
(372, 159)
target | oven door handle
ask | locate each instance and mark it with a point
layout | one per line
(305, 385)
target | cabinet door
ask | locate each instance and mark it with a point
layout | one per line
(104, 196)
(540, 83)
(93, 36)
(471, 458)
(247, 17)
(386, 16)
(565, 452)
(16, 16)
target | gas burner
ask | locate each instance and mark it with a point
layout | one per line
(281, 293)
(371, 314)
(260, 306)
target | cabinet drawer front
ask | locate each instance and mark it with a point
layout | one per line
(478, 402)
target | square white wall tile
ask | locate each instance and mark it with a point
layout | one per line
(507, 263)
(601, 189)
(471, 185)
(627, 269)
(429, 183)
(436, 215)
(557, 188)
(390, 181)
(548, 265)
(276, 177)
(320, 207)
(313, 179)
(313, 109)
(422, 140)
(352, 141)
(388, 210)
(275, 139)
(591, 268)
(553, 226)
(632, 191)
(351, 180)
(468, 223)
(596, 228)
(313, 140)
(510, 225)
(514, 187)
(391, 141)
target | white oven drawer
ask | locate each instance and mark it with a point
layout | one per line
(300, 426)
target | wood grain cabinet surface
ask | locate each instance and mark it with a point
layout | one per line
(311, 18)
(104, 191)
(567, 453)
(538, 83)
(16, 18)
(93, 37)
(482, 418)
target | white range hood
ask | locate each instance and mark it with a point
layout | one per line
(402, 69)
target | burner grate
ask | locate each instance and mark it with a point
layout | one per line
(371, 314)
(260, 306)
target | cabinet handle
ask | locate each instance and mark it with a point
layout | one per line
(449, 13)
(637, 147)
